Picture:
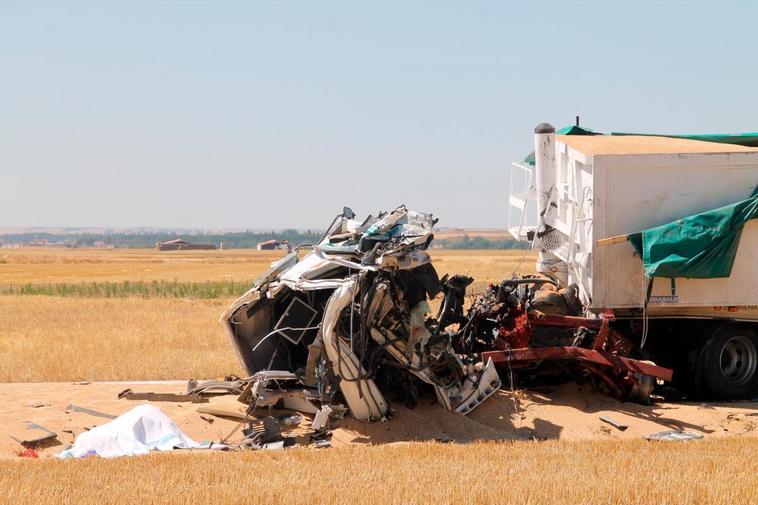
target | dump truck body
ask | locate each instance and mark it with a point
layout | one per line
(610, 186)
(585, 195)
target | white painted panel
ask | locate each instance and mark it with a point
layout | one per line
(633, 192)
(641, 191)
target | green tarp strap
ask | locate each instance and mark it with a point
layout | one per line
(702, 246)
(742, 139)
(576, 130)
(566, 130)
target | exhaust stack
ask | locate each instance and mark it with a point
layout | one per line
(545, 180)
(544, 166)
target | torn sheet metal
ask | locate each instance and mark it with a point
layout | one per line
(619, 426)
(84, 410)
(129, 394)
(224, 413)
(363, 397)
(279, 388)
(353, 314)
(321, 419)
(33, 434)
(214, 387)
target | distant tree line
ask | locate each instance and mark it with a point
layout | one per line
(231, 240)
(466, 242)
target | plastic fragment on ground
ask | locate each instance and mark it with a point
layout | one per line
(673, 436)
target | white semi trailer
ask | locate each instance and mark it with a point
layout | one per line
(583, 190)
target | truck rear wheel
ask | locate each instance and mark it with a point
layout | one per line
(729, 361)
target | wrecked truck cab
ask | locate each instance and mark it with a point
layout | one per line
(353, 313)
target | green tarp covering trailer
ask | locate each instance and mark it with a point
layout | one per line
(740, 139)
(701, 246)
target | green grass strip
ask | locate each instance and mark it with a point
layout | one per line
(142, 289)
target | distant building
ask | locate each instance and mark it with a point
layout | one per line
(270, 245)
(182, 245)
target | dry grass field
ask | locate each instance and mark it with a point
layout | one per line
(43, 265)
(488, 233)
(47, 338)
(160, 336)
(597, 472)
(57, 338)
(46, 265)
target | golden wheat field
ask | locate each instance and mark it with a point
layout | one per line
(56, 338)
(161, 335)
(41, 265)
(597, 472)
(49, 265)
(48, 338)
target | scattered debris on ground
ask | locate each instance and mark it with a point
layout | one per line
(230, 385)
(673, 436)
(33, 434)
(128, 394)
(565, 411)
(77, 408)
(615, 424)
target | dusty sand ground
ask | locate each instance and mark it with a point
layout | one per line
(567, 412)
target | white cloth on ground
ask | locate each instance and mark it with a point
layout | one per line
(141, 430)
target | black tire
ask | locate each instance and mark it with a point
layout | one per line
(729, 363)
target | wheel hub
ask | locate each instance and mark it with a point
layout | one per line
(738, 360)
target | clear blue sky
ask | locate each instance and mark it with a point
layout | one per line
(275, 114)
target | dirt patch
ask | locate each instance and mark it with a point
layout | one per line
(567, 412)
